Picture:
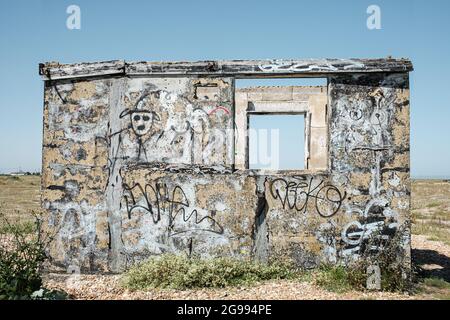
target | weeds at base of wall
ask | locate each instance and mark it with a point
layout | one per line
(347, 278)
(22, 253)
(181, 272)
(396, 274)
(339, 278)
(396, 271)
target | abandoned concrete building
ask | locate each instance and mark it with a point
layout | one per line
(145, 158)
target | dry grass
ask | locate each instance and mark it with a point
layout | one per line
(19, 195)
(431, 209)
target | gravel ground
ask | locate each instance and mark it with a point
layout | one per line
(432, 256)
(106, 287)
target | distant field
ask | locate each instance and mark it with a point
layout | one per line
(430, 207)
(19, 195)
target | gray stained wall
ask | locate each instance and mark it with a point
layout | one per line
(141, 159)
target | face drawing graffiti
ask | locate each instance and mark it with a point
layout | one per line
(142, 121)
(142, 116)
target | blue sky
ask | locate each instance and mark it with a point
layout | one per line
(35, 31)
(277, 142)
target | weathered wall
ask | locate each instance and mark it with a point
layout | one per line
(94, 129)
(369, 156)
(139, 166)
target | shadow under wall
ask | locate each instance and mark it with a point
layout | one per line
(431, 263)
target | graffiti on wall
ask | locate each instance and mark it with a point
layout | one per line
(149, 125)
(295, 195)
(376, 225)
(141, 122)
(366, 122)
(152, 126)
(363, 148)
(287, 66)
(170, 204)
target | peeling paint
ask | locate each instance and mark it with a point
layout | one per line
(136, 166)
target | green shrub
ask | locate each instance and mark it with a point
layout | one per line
(181, 272)
(22, 253)
(436, 283)
(339, 278)
(23, 228)
(354, 277)
(397, 273)
(395, 270)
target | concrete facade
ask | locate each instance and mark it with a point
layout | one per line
(144, 158)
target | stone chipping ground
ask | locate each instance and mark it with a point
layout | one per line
(107, 287)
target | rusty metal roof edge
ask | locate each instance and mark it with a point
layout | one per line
(243, 68)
